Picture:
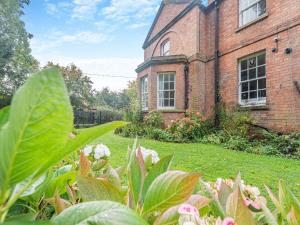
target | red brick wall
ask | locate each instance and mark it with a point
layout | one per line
(183, 36)
(283, 101)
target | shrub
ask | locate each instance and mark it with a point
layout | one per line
(189, 128)
(238, 143)
(236, 121)
(154, 120)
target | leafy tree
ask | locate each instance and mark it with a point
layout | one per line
(79, 86)
(16, 61)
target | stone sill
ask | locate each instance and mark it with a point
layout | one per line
(255, 107)
(262, 17)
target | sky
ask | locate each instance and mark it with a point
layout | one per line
(102, 37)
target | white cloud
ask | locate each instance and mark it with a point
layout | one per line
(137, 25)
(106, 66)
(51, 8)
(84, 9)
(58, 38)
(130, 10)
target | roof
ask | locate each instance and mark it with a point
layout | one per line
(188, 8)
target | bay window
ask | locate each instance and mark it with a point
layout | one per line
(251, 10)
(144, 93)
(166, 90)
(253, 80)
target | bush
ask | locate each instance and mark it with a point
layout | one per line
(154, 120)
(238, 143)
(161, 135)
(190, 128)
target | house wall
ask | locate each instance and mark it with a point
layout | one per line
(183, 35)
(283, 21)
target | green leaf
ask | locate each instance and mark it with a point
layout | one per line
(169, 189)
(136, 174)
(269, 217)
(4, 114)
(216, 204)
(84, 137)
(161, 167)
(40, 121)
(223, 195)
(22, 222)
(237, 209)
(92, 189)
(100, 213)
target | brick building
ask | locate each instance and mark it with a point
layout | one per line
(239, 52)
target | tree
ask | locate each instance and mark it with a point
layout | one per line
(79, 86)
(16, 61)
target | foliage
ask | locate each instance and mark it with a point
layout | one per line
(189, 128)
(36, 134)
(154, 120)
(79, 86)
(16, 61)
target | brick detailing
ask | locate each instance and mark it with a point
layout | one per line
(194, 37)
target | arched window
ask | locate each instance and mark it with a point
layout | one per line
(165, 48)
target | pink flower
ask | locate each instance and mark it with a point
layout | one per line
(228, 221)
(187, 209)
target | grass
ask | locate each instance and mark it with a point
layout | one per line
(214, 162)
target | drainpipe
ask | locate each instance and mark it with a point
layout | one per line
(217, 65)
(186, 82)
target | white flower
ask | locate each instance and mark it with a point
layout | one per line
(87, 150)
(101, 151)
(148, 152)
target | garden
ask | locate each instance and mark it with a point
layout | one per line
(51, 173)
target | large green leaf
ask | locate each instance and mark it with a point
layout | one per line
(136, 176)
(99, 213)
(161, 167)
(237, 209)
(84, 137)
(92, 189)
(269, 217)
(39, 124)
(169, 189)
(4, 114)
(22, 222)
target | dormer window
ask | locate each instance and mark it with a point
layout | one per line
(250, 10)
(165, 48)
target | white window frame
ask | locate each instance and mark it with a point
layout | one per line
(250, 5)
(258, 101)
(163, 90)
(144, 90)
(163, 51)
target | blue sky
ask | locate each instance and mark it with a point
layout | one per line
(100, 36)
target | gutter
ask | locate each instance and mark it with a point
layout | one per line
(217, 65)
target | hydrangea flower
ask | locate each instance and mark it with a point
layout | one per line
(87, 150)
(148, 152)
(101, 151)
(189, 215)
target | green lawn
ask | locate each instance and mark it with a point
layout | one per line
(215, 161)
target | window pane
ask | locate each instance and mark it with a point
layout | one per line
(253, 85)
(244, 75)
(262, 84)
(166, 103)
(244, 96)
(172, 77)
(262, 94)
(245, 87)
(252, 74)
(243, 4)
(172, 86)
(261, 7)
(252, 62)
(172, 103)
(172, 94)
(261, 71)
(166, 86)
(244, 65)
(253, 95)
(261, 59)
